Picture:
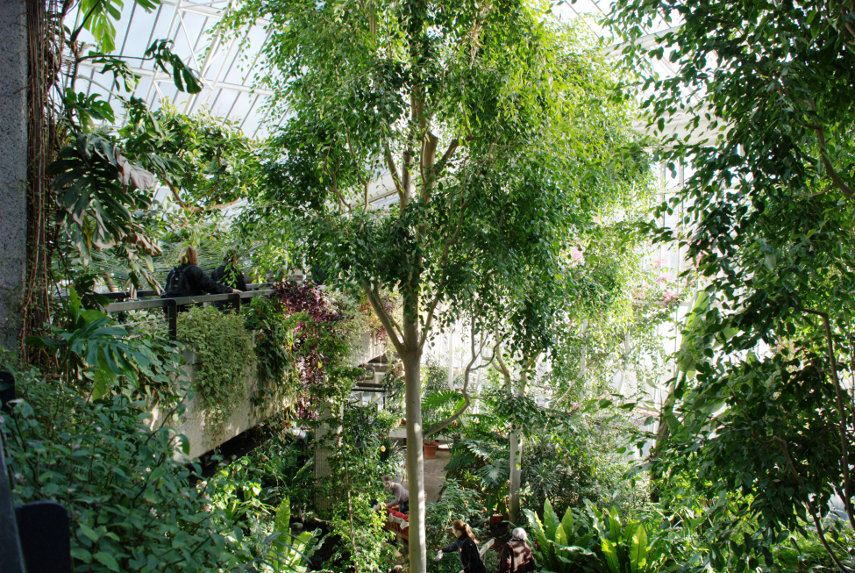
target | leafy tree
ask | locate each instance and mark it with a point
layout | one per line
(206, 161)
(769, 215)
(441, 149)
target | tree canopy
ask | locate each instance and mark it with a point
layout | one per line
(447, 150)
(768, 223)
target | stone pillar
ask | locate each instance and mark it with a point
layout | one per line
(327, 442)
(13, 167)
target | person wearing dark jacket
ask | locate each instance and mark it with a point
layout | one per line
(229, 273)
(187, 279)
(516, 556)
(470, 559)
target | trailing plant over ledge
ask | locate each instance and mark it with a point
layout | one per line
(273, 332)
(224, 352)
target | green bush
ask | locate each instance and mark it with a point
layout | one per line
(224, 355)
(592, 540)
(132, 507)
(273, 331)
(456, 502)
(362, 456)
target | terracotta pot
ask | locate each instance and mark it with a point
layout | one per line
(430, 447)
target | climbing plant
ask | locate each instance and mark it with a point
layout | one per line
(224, 357)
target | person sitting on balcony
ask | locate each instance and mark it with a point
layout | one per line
(399, 490)
(187, 279)
(229, 273)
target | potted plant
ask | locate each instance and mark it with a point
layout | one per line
(430, 447)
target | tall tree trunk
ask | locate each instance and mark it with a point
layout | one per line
(516, 448)
(13, 168)
(516, 477)
(411, 355)
(412, 359)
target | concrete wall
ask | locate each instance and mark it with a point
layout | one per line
(245, 416)
(193, 425)
(13, 166)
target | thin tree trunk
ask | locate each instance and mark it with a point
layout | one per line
(516, 477)
(516, 447)
(415, 461)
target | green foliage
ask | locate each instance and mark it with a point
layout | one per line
(98, 17)
(287, 550)
(100, 196)
(766, 215)
(206, 161)
(97, 357)
(185, 79)
(479, 460)
(276, 375)
(456, 502)
(237, 494)
(224, 356)
(254, 492)
(360, 459)
(591, 540)
(132, 507)
(440, 399)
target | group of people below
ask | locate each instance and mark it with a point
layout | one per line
(187, 279)
(515, 557)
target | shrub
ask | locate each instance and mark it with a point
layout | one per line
(132, 507)
(276, 374)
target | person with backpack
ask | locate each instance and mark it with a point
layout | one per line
(187, 279)
(516, 555)
(229, 273)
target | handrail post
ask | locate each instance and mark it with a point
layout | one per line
(235, 300)
(172, 317)
(11, 554)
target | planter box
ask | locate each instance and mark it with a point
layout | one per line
(193, 426)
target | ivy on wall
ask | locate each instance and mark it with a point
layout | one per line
(273, 333)
(224, 356)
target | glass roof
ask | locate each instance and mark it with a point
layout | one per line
(227, 66)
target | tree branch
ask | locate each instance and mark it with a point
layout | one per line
(844, 418)
(392, 328)
(823, 147)
(446, 157)
(470, 368)
(197, 208)
(429, 143)
(396, 178)
(428, 320)
(356, 165)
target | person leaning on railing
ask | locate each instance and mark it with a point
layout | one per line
(230, 273)
(187, 279)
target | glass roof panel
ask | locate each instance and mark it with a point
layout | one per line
(229, 66)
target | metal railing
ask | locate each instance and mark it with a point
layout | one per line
(171, 305)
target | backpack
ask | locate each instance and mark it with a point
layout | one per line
(176, 282)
